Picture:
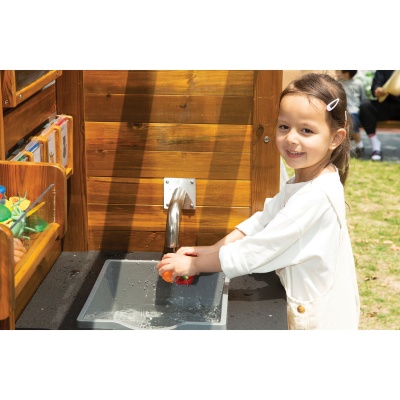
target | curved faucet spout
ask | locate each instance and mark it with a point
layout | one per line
(173, 220)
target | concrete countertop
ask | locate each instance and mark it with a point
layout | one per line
(255, 301)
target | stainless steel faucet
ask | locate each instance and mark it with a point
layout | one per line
(173, 220)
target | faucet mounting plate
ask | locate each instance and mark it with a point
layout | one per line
(189, 184)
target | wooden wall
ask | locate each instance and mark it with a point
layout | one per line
(142, 126)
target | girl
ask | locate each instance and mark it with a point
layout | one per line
(302, 232)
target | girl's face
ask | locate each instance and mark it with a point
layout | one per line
(303, 136)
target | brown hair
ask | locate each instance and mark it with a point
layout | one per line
(326, 88)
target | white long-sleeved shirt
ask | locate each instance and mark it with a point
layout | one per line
(300, 234)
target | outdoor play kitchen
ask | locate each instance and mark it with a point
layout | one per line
(105, 171)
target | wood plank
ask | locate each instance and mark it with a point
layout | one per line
(147, 241)
(7, 291)
(153, 218)
(8, 88)
(70, 102)
(167, 137)
(133, 191)
(2, 144)
(30, 262)
(22, 120)
(218, 82)
(265, 161)
(136, 164)
(144, 108)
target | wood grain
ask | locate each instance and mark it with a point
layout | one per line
(147, 191)
(70, 102)
(146, 108)
(170, 82)
(167, 137)
(7, 292)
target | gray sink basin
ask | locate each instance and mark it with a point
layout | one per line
(129, 294)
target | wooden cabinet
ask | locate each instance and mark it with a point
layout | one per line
(28, 104)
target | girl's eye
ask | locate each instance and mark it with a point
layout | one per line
(308, 131)
(283, 127)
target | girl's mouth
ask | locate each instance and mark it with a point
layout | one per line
(294, 154)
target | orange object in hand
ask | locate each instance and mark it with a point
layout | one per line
(167, 276)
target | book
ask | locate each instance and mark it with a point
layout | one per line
(35, 148)
(49, 137)
(61, 122)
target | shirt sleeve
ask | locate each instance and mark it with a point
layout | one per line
(278, 244)
(260, 219)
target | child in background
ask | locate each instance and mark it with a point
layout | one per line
(301, 233)
(355, 92)
(384, 109)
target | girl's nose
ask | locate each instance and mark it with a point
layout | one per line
(291, 136)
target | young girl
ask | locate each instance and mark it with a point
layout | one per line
(302, 232)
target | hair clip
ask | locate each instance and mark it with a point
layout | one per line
(332, 104)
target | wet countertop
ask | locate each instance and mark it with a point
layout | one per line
(255, 301)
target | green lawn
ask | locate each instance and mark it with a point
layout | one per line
(373, 193)
(373, 217)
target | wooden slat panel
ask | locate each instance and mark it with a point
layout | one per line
(228, 83)
(224, 193)
(153, 218)
(22, 120)
(147, 241)
(169, 109)
(265, 163)
(168, 137)
(173, 164)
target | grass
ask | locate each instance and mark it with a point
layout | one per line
(372, 193)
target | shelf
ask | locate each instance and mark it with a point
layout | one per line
(45, 185)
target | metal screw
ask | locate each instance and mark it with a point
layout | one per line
(167, 181)
(191, 205)
(266, 139)
(192, 182)
(5, 101)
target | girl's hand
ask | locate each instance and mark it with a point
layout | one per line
(19, 251)
(178, 264)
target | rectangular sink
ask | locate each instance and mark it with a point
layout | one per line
(129, 294)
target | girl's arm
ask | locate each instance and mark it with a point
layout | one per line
(203, 250)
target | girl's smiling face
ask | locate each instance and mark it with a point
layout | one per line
(303, 136)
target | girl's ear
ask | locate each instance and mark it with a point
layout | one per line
(338, 138)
